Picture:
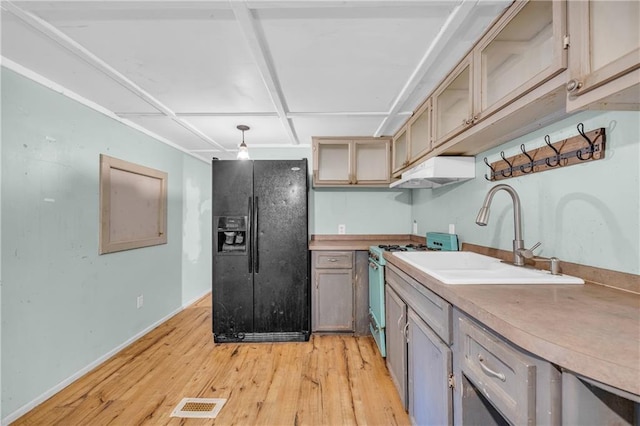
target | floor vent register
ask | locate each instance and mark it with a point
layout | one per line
(202, 408)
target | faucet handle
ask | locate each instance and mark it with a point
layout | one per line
(528, 253)
(554, 264)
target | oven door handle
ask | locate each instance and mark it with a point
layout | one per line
(373, 265)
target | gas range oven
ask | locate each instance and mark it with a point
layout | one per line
(435, 241)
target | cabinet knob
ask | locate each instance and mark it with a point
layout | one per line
(573, 85)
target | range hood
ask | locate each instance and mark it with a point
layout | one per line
(438, 171)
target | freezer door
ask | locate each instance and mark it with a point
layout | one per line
(232, 289)
(281, 255)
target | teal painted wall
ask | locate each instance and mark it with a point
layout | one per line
(587, 213)
(362, 211)
(63, 305)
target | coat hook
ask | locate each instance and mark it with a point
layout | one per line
(585, 137)
(510, 166)
(524, 151)
(547, 140)
(493, 171)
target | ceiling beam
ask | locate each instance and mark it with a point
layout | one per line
(84, 54)
(257, 46)
(447, 32)
(343, 114)
(317, 4)
(266, 114)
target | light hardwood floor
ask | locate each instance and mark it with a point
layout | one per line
(331, 380)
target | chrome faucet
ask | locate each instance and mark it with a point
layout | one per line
(519, 252)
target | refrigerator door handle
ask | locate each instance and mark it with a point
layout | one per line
(256, 231)
(250, 245)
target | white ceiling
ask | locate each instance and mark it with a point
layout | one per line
(191, 71)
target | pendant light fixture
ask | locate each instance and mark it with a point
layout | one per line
(243, 151)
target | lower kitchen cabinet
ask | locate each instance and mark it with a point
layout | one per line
(429, 359)
(396, 343)
(450, 369)
(340, 292)
(498, 383)
(418, 355)
(333, 291)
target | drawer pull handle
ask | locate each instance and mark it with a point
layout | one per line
(490, 372)
(333, 259)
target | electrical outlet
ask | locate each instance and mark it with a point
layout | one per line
(342, 229)
(139, 301)
(415, 228)
(452, 228)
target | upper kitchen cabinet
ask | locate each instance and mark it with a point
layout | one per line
(522, 50)
(420, 132)
(400, 151)
(453, 103)
(351, 161)
(525, 48)
(514, 78)
(604, 58)
(413, 140)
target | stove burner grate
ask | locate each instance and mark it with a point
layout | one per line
(418, 247)
(392, 247)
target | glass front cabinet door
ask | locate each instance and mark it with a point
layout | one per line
(400, 151)
(604, 54)
(452, 103)
(523, 50)
(372, 161)
(351, 161)
(332, 161)
(420, 132)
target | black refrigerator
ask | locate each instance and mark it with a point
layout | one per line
(261, 286)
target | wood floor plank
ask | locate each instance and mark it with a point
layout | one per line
(330, 380)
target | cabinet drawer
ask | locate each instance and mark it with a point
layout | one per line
(333, 259)
(433, 309)
(500, 372)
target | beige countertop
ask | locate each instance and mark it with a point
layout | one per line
(589, 329)
(359, 242)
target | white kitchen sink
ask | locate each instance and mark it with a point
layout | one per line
(464, 267)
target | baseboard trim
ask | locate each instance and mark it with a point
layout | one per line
(66, 382)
